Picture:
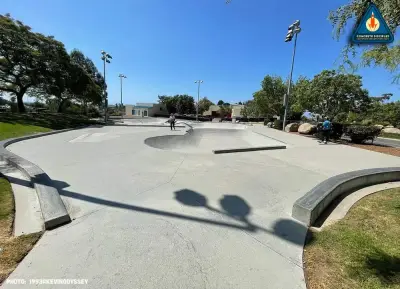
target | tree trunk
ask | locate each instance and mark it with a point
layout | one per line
(20, 101)
(60, 106)
(85, 108)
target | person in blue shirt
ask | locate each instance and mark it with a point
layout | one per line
(326, 130)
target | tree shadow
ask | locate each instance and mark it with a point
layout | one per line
(238, 209)
(48, 120)
(233, 207)
(384, 266)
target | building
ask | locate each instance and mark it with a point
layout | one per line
(237, 110)
(214, 111)
(145, 110)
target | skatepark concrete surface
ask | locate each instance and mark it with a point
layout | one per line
(207, 140)
(145, 217)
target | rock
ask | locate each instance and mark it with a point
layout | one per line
(270, 124)
(389, 126)
(307, 128)
(391, 130)
(379, 126)
(292, 127)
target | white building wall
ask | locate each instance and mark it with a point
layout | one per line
(237, 110)
(128, 110)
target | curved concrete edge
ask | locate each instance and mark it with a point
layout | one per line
(53, 209)
(249, 149)
(146, 125)
(188, 125)
(308, 208)
(345, 205)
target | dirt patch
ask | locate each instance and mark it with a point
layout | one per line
(367, 146)
(379, 149)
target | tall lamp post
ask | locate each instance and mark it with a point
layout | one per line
(121, 76)
(106, 59)
(198, 98)
(293, 30)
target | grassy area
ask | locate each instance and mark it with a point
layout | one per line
(360, 251)
(390, 135)
(13, 249)
(10, 130)
(14, 124)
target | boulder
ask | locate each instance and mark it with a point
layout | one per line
(307, 128)
(391, 130)
(292, 127)
(270, 124)
(389, 126)
(379, 126)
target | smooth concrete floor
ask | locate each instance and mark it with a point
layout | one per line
(151, 218)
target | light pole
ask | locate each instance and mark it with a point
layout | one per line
(106, 59)
(121, 76)
(198, 98)
(293, 29)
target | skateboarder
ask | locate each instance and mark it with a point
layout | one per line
(172, 121)
(326, 130)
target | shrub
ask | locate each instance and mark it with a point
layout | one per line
(361, 133)
(367, 122)
(278, 124)
(337, 130)
(341, 117)
(384, 123)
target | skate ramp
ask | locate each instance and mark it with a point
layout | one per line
(209, 140)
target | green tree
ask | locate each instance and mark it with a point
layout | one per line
(330, 93)
(300, 99)
(250, 110)
(269, 100)
(3, 101)
(27, 59)
(225, 111)
(185, 104)
(204, 104)
(220, 102)
(382, 111)
(169, 102)
(73, 80)
(180, 103)
(387, 56)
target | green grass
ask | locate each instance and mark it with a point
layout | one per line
(14, 249)
(6, 206)
(390, 135)
(10, 130)
(360, 251)
(15, 124)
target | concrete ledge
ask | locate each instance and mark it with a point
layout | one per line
(146, 125)
(53, 209)
(249, 149)
(308, 208)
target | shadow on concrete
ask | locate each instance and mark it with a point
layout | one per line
(49, 120)
(233, 207)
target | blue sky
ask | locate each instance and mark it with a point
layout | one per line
(163, 46)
